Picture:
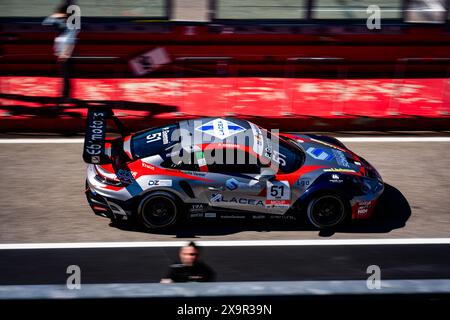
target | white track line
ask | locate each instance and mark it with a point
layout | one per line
(239, 243)
(343, 139)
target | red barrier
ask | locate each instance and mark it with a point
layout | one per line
(289, 103)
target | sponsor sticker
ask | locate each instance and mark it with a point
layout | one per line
(278, 194)
(220, 128)
(275, 155)
(338, 170)
(196, 208)
(362, 211)
(303, 182)
(196, 215)
(160, 183)
(95, 136)
(341, 158)
(258, 217)
(232, 217)
(210, 215)
(232, 184)
(320, 154)
(125, 176)
(147, 166)
(258, 143)
(157, 136)
(335, 178)
(165, 135)
(363, 207)
(201, 162)
(282, 217)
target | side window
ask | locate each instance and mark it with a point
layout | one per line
(187, 162)
(232, 161)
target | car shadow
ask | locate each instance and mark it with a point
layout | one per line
(52, 107)
(392, 212)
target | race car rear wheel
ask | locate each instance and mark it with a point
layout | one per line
(327, 211)
(158, 210)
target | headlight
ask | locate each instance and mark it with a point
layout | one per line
(366, 187)
(370, 185)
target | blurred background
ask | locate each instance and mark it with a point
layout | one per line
(306, 58)
(349, 67)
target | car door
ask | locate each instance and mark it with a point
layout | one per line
(242, 184)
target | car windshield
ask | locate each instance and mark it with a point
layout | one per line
(154, 141)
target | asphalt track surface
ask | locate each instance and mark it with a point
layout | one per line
(231, 263)
(42, 200)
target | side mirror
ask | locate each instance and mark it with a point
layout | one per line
(267, 174)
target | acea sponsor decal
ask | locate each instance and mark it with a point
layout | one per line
(237, 200)
(220, 128)
(341, 158)
(320, 154)
(160, 183)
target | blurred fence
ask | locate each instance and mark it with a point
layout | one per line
(292, 102)
(215, 10)
(319, 68)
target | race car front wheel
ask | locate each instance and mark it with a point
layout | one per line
(158, 210)
(327, 211)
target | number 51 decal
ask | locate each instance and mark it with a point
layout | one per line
(278, 194)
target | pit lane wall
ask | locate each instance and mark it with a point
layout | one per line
(30, 104)
(306, 74)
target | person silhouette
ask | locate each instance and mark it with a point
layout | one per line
(189, 268)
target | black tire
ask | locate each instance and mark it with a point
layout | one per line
(159, 210)
(326, 211)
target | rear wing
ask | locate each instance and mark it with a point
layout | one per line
(95, 138)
